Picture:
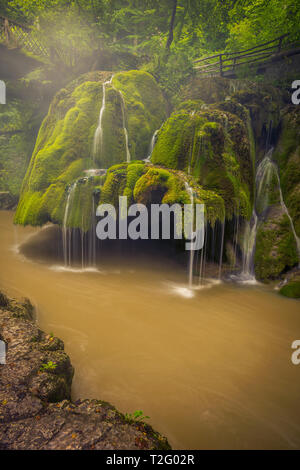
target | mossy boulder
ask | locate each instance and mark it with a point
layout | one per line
(149, 184)
(213, 146)
(292, 288)
(276, 249)
(64, 147)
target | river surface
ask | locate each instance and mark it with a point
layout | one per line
(213, 371)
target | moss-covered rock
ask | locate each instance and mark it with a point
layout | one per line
(145, 109)
(213, 146)
(64, 147)
(291, 288)
(276, 249)
(287, 154)
(150, 184)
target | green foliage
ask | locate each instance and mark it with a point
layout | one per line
(257, 21)
(135, 417)
(18, 124)
(49, 366)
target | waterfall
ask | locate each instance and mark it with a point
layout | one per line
(151, 146)
(266, 170)
(78, 244)
(98, 136)
(202, 261)
(128, 156)
(249, 239)
(191, 260)
(297, 239)
(67, 232)
(221, 249)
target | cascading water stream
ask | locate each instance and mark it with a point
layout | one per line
(98, 136)
(151, 146)
(128, 156)
(249, 239)
(67, 232)
(191, 260)
(266, 170)
(222, 248)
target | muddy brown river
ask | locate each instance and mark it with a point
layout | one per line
(212, 370)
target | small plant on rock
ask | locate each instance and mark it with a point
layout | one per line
(48, 366)
(137, 416)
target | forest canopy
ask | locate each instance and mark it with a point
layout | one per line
(162, 37)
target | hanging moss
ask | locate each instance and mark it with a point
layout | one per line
(148, 184)
(80, 214)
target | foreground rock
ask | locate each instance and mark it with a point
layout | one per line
(35, 389)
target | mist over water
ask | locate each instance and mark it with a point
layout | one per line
(212, 370)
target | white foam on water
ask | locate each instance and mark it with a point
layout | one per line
(59, 268)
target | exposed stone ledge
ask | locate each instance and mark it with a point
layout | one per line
(35, 407)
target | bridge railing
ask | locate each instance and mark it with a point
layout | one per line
(229, 63)
(14, 34)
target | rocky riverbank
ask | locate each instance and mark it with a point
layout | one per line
(36, 411)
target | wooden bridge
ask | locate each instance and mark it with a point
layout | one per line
(258, 58)
(14, 35)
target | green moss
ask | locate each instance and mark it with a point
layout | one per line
(61, 153)
(213, 146)
(287, 155)
(291, 289)
(148, 184)
(275, 248)
(145, 108)
(80, 215)
(190, 106)
(65, 142)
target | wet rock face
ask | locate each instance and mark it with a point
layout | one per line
(35, 389)
(7, 201)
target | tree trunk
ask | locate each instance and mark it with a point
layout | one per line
(171, 28)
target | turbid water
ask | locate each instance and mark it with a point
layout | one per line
(212, 371)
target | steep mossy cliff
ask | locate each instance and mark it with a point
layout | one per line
(64, 147)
